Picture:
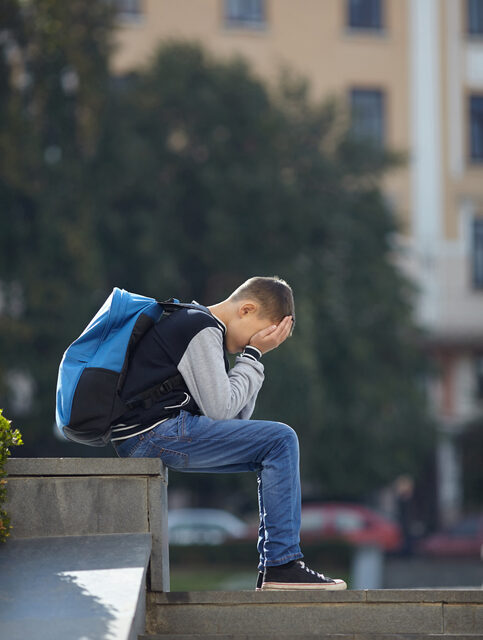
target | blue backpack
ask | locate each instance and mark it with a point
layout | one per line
(94, 367)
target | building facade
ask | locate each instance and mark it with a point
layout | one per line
(412, 71)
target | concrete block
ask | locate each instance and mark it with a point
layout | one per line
(244, 636)
(425, 595)
(86, 467)
(310, 636)
(413, 636)
(54, 506)
(463, 618)
(158, 525)
(89, 496)
(276, 619)
(73, 587)
(257, 597)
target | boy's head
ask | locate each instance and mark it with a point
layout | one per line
(273, 296)
(257, 304)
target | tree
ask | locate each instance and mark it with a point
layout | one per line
(225, 181)
(183, 179)
(54, 58)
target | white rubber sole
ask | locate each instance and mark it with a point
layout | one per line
(338, 585)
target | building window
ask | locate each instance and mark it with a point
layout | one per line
(245, 13)
(367, 111)
(475, 17)
(365, 14)
(128, 9)
(478, 253)
(476, 128)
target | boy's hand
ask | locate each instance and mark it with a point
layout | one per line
(271, 337)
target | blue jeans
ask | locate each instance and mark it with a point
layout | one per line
(196, 443)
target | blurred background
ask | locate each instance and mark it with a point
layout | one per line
(176, 148)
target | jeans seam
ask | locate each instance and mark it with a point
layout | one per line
(159, 450)
(183, 425)
(133, 448)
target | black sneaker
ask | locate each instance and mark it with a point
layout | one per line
(295, 575)
(259, 581)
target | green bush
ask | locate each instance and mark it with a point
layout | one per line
(8, 437)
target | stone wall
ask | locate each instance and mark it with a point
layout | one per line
(91, 496)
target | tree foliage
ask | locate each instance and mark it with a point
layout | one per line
(183, 179)
(54, 68)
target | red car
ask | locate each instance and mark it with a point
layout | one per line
(354, 523)
(462, 539)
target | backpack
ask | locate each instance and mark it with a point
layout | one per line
(93, 369)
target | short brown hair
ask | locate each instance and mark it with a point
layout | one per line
(272, 293)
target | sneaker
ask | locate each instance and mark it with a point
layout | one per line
(259, 581)
(296, 575)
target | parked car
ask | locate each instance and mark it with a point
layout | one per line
(354, 523)
(204, 526)
(465, 538)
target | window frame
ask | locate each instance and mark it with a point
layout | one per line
(380, 28)
(129, 17)
(477, 256)
(232, 22)
(474, 161)
(382, 91)
(467, 22)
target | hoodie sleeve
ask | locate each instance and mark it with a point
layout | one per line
(218, 394)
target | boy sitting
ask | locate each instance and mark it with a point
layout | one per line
(204, 425)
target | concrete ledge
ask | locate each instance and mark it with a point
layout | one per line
(312, 636)
(426, 595)
(78, 587)
(409, 614)
(442, 596)
(395, 618)
(256, 597)
(86, 467)
(90, 496)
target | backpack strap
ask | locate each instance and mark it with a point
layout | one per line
(173, 304)
(150, 396)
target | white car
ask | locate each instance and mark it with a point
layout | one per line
(204, 526)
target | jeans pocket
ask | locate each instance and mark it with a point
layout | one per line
(127, 448)
(171, 429)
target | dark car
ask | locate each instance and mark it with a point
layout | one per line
(465, 538)
(354, 523)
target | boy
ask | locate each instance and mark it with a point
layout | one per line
(204, 423)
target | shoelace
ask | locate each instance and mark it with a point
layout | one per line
(315, 573)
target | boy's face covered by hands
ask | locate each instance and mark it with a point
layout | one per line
(250, 327)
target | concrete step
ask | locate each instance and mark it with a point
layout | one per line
(399, 614)
(312, 636)
(72, 587)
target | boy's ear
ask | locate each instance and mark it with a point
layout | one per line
(246, 308)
